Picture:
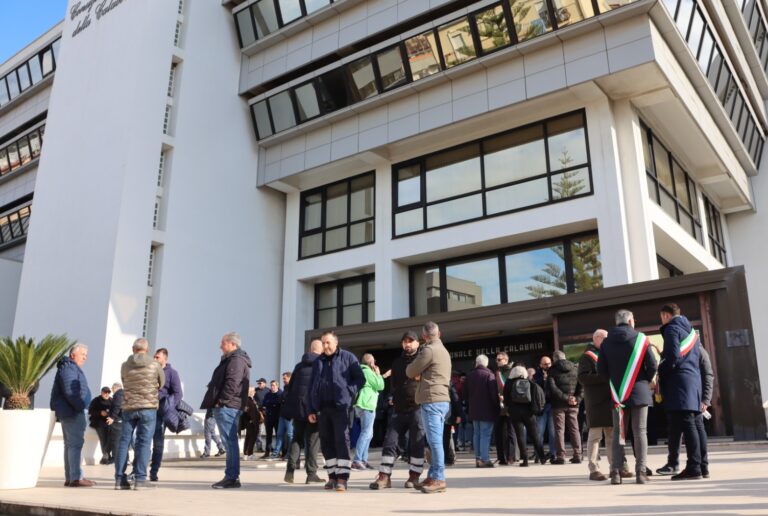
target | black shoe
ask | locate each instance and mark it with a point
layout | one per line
(557, 461)
(204, 455)
(705, 473)
(575, 460)
(615, 478)
(288, 476)
(142, 484)
(226, 483)
(121, 485)
(153, 478)
(103, 460)
(666, 469)
(220, 453)
(641, 478)
(687, 475)
(312, 478)
(648, 472)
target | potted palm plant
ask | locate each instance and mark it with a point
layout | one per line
(26, 433)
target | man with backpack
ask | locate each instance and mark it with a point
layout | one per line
(524, 400)
(597, 401)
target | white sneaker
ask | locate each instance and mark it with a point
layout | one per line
(248, 457)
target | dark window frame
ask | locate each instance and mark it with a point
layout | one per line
(322, 229)
(16, 142)
(424, 204)
(6, 213)
(673, 271)
(24, 65)
(339, 284)
(715, 232)
(279, 17)
(500, 255)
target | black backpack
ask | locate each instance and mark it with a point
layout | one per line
(521, 392)
(538, 398)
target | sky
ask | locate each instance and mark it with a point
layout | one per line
(24, 20)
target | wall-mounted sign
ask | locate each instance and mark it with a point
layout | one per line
(85, 11)
(737, 338)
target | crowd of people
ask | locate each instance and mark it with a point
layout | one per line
(432, 411)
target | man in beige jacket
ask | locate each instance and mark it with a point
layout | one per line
(142, 379)
(432, 367)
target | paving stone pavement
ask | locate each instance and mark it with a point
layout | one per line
(738, 486)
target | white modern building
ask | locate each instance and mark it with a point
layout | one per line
(513, 169)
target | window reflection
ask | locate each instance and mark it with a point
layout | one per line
(456, 42)
(492, 29)
(661, 159)
(313, 211)
(306, 102)
(27, 74)
(517, 196)
(531, 18)
(515, 156)
(265, 16)
(336, 205)
(568, 12)
(282, 111)
(314, 5)
(453, 172)
(289, 10)
(408, 185)
(536, 273)
(586, 262)
(261, 114)
(458, 210)
(245, 26)
(361, 200)
(391, 68)
(473, 284)
(422, 55)
(569, 184)
(344, 302)
(426, 290)
(363, 79)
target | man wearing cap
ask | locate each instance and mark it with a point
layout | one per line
(406, 417)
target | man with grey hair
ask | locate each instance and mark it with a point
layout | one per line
(432, 368)
(629, 366)
(597, 404)
(565, 391)
(227, 395)
(481, 393)
(142, 379)
(69, 398)
(365, 410)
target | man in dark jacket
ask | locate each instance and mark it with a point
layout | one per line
(406, 417)
(171, 392)
(295, 401)
(544, 422)
(482, 394)
(680, 381)
(98, 412)
(69, 397)
(565, 390)
(336, 378)
(227, 395)
(273, 402)
(258, 397)
(142, 379)
(506, 442)
(624, 356)
(597, 402)
(115, 418)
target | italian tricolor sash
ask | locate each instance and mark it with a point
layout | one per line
(628, 381)
(592, 355)
(687, 344)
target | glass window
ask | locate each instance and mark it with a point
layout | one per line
(3, 92)
(289, 10)
(47, 62)
(705, 53)
(282, 111)
(568, 12)
(408, 185)
(646, 149)
(536, 273)
(453, 172)
(457, 210)
(314, 5)
(35, 73)
(586, 263)
(694, 37)
(246, 28)
(409, 221)
(24, 81)
(473, 284)
(306, 102)
(55, 47)
(5, 167)
(714, 68)
(514, 156)
(391, 68)
(681, 188)
(456, 42)
(684, 12)
(261, 114)
(338, 216)
(492, 29)
(35, 143)
(265, 16)
(25, 154)
(332, 90)
(570, 184)
(426, 290)
(13, 156)
(531, 18)
(567, 142)
(13, 84)
(363, 79)
(661, 159)
(422, 55)
(371, 300)
(517, 196)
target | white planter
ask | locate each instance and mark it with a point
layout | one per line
(25, 435)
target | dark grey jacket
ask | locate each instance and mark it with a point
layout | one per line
(707, 377)
(563, 383)
(229, 382)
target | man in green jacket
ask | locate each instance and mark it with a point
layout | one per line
(365, 410)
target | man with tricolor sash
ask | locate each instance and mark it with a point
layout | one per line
(625, 359)
(680, 382)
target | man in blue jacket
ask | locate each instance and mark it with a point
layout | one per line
(680, 381)
(336, 378)
(172, 392)
(69, 398)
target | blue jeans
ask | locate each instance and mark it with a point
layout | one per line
(481, 440)
(366, 418)
(209, 431)
(158, 443)
(141, 421)
(544, 422)
(227, 419)
(284, 435)
(433, 415)
(73, 429)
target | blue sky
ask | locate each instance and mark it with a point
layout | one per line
(25, 20)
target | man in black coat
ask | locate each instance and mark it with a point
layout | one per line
(406, 417)
(227, 395)
(565, 390)
(680, 382)
(295, 408)
(629, 366)
(597, 402)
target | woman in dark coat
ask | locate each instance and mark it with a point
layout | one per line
(521, 413)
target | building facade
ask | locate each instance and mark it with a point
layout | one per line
(513, 169)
